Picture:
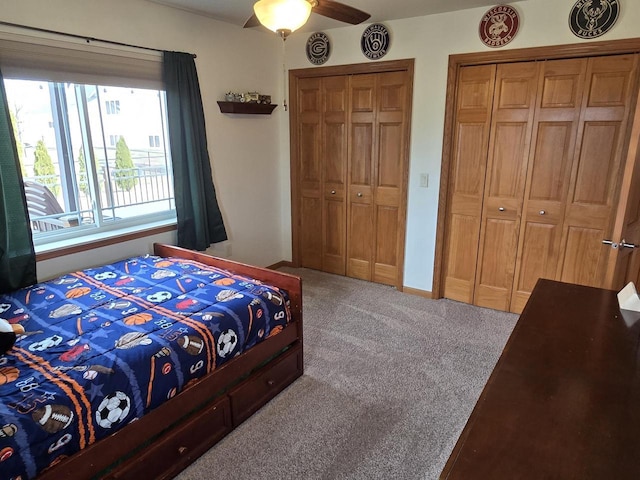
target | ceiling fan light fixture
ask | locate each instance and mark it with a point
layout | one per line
(282, 15)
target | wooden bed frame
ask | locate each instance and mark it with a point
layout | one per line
(169, 438)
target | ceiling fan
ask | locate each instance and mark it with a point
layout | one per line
(285, 16)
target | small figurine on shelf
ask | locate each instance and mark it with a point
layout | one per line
(250, 97)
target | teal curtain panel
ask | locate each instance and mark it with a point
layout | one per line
(17, 257)
(199, 218)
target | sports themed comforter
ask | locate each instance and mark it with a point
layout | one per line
(106, 345)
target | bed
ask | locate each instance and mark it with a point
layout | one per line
(134, 369)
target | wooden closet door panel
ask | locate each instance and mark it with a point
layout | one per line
(389, 167)
(511, 125)
(360, 207)
(555, 126)
(626, 267)
(596, 172)
(473, 118)
(310, 172)
(334, 164)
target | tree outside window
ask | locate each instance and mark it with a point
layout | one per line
(125, 171)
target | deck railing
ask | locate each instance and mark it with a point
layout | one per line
(124, 193)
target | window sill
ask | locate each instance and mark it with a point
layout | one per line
(67, 247)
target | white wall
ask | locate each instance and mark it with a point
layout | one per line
(430, 40)
(250, 154)
(245, 150)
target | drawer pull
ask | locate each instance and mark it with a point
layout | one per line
(542, 212)
(182, 450)
(271, 383)
(359, 194)
(502, 209)
(333, 192)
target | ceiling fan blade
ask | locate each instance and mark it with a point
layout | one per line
(340, 11)
(252, 22)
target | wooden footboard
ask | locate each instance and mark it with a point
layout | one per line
(166, 440)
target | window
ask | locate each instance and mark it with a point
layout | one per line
(154, 141)
(81, 177)
(112, 106)
(86, 161)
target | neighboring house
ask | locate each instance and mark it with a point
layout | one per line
(250, 156)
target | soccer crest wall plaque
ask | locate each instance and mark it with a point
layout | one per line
(375, 41)
(499, 26)
(592, 18)
(318, 48)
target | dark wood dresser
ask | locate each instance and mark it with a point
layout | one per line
(563, 401)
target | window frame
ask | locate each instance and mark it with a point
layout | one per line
(42, 58)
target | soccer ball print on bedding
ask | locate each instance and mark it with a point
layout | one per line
(113, 409)
(227, 342)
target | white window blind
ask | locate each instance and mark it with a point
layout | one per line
(36, 58)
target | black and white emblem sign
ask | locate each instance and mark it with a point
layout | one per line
(375, 41)
(318, 48)
(592, 18)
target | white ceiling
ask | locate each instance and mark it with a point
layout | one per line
(237, 12)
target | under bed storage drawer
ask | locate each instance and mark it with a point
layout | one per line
(254, 392)
(171, 453)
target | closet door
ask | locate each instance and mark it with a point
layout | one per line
(474, 101)
(557, 115)
(310, 172)
(511, 126)
(596, 174)
(360, 224)
(392, 126)
(379, 125)
(626, 267)
(334, 165)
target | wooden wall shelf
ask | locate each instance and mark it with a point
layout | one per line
(247, 108)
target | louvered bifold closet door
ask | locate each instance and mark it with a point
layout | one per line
(474, 102)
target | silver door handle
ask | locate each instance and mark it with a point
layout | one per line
(609, 242)
(624, 244)
(502, 209)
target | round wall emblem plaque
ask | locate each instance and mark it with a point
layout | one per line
(375, 41)
(592, 18)
(318, 48)
(499, 26)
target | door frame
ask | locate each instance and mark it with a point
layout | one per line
(575, 50)
(351, 69)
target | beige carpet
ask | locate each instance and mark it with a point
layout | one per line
(390, 380)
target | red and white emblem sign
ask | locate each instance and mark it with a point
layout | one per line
(499, 26)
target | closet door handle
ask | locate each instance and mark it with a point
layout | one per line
(502, 209)
(359, 194)
(628, 245)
